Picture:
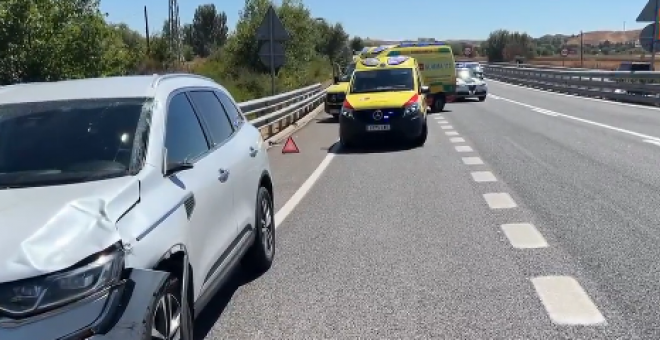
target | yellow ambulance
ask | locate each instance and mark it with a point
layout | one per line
(336, 93)
(437, 66)
(386, 97)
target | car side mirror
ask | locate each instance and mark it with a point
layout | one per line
(424, 90)
(173, 168)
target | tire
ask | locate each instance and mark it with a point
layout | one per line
(346, 143)
(169, 296)
(421, 140)
(482, 98)
(439, 104)
(259, 258)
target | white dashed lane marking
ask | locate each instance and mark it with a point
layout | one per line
(438, 117)
(499, 201)
(472, 161)
(483, 176)
(524, 236)
(443, 122)
(566, 302)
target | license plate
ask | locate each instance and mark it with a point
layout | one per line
(378, 128)
(334, 110)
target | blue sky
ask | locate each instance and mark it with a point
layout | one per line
(421, 18)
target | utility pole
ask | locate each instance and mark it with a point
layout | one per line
(146, 30)
(581, 49)
(175, 31)
(655, 36)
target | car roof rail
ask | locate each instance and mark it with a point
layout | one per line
(162, 77)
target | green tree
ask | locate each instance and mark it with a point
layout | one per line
(503, 45)
(209, 30)
(356, 44)
(333, 41)
(43, 40)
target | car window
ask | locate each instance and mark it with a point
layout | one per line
(184, 137)
(232, 110)
(211, 111)
(59, 142)
(383, 80)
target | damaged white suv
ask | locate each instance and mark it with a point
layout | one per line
(124, 203)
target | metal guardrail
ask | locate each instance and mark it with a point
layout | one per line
(273, 114)
(634, 87)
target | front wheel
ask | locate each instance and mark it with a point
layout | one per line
(259, 257)
(482, 98)
(421, 140)
(167, 313)
(346, 143)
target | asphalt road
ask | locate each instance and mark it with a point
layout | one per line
(529, 216)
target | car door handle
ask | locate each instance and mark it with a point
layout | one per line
(223, 175)
(253, 151)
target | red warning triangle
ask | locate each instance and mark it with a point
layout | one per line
(290, 146)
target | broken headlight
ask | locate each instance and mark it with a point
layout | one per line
(31, 296)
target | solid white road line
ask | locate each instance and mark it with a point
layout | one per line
(582, 120)
(451, 133)
(472, 161)
(483, 176)
(651, 141)
(566, 301)
(500, 200)
(447, 127)
(575, 97)
(463, 148)
(457, 140)
(546, 112)
(524, 236)
(291, 204)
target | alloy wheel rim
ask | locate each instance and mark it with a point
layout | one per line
(166, 318)
(267, 227)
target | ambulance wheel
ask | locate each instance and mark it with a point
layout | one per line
(482, 98)
(346, 143)
(421, 140)
(439, 104)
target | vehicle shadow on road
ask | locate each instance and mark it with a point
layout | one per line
(328, 120)
(216, 307)
(371, 147)
(438, 113)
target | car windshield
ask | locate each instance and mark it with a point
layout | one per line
(466, 74)
(384, 80)
(63, 142)
(347, 73)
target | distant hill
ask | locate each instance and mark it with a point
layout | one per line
(591, 38)
(596, 37)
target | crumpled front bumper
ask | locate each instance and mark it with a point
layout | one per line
(119, 313)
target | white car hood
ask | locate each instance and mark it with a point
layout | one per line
(46, 229)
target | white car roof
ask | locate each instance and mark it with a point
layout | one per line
(95, 88)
